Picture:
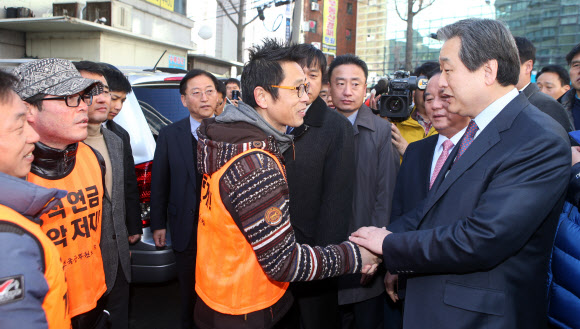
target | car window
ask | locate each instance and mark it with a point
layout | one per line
(165, 99)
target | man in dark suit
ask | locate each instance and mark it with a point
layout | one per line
(420, 160)
(320, 169)
(114, 236)
(543, 102)
(119, 87)
(176, 183)
(476, 250)
(376, 167)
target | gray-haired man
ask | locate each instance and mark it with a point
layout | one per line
(476, 250)
(56, 97)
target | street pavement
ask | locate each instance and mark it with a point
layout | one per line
(154, 306)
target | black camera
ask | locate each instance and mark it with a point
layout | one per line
(396, 104)
(236, 94)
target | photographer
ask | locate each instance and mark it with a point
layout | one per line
(417, 126)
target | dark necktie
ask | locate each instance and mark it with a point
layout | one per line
(472, 128)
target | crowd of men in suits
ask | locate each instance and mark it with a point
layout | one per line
(460, 201)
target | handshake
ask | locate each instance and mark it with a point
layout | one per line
(370, 242)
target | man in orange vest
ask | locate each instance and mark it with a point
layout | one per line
(246, 250)
(57, 96)
(33, 290)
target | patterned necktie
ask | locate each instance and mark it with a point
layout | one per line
(447, 145)
(467, 138)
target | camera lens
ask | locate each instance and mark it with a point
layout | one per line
(395, 104)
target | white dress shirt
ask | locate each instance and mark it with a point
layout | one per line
(490, 112)
(439, 147)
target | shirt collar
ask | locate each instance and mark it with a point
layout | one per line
(194, 125)
(490, 112)
(352, 118)
(454, 139)
(526, 86)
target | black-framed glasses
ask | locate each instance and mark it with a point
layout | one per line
(73, 100)
(301, 89)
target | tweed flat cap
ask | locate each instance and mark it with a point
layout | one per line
(52, 76)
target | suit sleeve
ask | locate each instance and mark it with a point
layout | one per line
(160, 183)
(23, 286)
(339, 167)
(132, 206)
(521, 193)
(251, 187)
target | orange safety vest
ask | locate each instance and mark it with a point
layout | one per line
(55, 301)
(228, 277)
(74, 226)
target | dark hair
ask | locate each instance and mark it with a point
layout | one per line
(381, 87)
(36, 101)
(221, 88)
(117, 80)
(233, 80)
(573, 53)
(7, 84)
(526, 49)
(483, 40)
(309, 55)
(325, 80)
(348, 59)
(427, 69)
(195, 73)
(89, 66)
(559, 70)
(264, 69)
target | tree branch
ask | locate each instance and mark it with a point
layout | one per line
(253, 19)
(421, 6)
(234, 6)
(398, 12)
(225, 11)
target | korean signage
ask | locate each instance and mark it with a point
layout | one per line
(177, 62)
(167, 4)
(329, 27)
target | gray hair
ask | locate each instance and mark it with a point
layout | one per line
(483, 40)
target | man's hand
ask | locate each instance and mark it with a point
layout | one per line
(391, 281)
(370, 237)
(373, 102)
(575, 154)
(159, 237)
(370, 263)
(398, 141)
(134, 238)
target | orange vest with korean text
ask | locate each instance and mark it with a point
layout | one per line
(74, 226)
(228, 277)
(55, 300)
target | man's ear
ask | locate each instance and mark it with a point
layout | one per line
(490, 69)
(260, 97)
(566, 87)
(31, 112)
(183, 100)
(529, 66)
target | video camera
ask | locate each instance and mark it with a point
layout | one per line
(396, 104)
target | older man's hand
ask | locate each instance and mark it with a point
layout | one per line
(370, 237)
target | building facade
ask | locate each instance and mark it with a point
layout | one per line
(120, 32)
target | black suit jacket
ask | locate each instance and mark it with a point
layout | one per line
(320, 171)
(414, 175)
(174, 195)
(548, 105)
(132, 207)
(477, 249)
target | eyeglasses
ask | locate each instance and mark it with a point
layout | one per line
(73, 100)
(197, 94)
(303, 88)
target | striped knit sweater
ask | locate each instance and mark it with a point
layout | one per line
(255, 183)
